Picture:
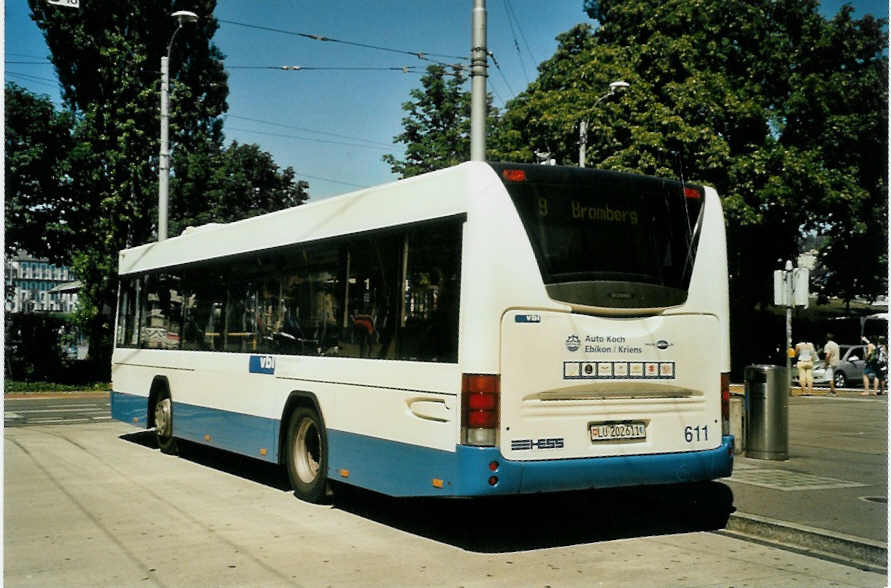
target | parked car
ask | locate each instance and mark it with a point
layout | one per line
(848, 372)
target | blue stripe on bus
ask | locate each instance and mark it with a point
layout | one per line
(233, 431)
(402, 469)
(129, 408)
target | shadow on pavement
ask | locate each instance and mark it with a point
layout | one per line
(505, 523)
(521, 522)
(248, 468)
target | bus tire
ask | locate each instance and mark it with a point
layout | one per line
(164, 425)
(307, 455)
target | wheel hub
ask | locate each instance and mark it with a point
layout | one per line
(307, 451)
(162, 417)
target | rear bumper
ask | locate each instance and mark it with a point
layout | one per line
(515, 477)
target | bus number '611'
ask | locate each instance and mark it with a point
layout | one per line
(696, 433)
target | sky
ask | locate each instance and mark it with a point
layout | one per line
(333, 126)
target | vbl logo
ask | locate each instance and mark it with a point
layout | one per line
(262, 364)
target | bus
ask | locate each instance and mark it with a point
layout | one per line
(485, 329)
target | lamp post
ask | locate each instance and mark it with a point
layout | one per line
(583, 125)
(181, 16)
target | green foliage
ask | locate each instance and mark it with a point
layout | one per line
(90, 174)
(17, 387)
(38, 188)
(437, 129)
(226, 185)
(784, 112)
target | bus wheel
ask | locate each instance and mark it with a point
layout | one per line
(164, 425)
(307, 455)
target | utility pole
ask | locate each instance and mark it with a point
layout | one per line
(164, 156)
(583, 141)
(478, 68)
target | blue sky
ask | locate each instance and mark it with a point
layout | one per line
(333, 127)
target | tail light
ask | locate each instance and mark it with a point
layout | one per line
(725, 403)
(479, 402)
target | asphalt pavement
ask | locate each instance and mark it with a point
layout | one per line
(830, 496)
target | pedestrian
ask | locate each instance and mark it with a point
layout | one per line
(871, 369)
(883, 364)
(806, 354)
(831, 356)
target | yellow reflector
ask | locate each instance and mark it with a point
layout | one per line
(344, 473)
(437, 483)
(262, 451)
(135, 419)
(207, 437)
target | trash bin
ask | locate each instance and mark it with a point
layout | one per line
(767, 412)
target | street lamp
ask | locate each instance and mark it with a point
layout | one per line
(181, 16)
(614, 87)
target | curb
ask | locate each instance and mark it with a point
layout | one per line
(857, 550)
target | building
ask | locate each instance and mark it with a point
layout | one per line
(36, 285)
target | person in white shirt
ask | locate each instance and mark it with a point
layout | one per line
(831, 354)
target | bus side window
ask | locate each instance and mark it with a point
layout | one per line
(202, 311)
(162, 312)
(128, 317)
(372, 300)
(241, 318)
(431, 294)
(310, 302)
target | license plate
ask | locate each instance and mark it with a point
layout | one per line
(612, 431)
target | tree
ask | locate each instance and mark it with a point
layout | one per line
(107, 60)
(437, 129)
(107, 63)
(237, 182)
(38, 187)
(782, 111)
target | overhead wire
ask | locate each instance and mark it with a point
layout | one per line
(513, 33)
(520, 29)
(310, 139)
(422, 55)
(400, 68)
(31, 77)
(306, 130)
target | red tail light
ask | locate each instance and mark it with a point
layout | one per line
(514, 175)
(725, 403)
(692, 193)
(479, 415)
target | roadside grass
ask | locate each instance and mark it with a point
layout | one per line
(18, 387)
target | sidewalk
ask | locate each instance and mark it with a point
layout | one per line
(830, 496)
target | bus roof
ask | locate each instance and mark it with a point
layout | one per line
(433, 195)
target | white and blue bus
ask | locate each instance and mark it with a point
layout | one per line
(480, 330)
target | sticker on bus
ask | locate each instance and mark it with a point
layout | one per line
(619, 370)
(262, 364)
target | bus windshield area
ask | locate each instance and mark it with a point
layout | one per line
(607, 239)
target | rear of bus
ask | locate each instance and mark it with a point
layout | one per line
(617, 375)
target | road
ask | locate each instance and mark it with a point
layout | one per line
(95, 504)
(56, 409)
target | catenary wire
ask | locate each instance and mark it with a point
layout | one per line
(513, 33)
(520, 29)
(422, 55)
(310, 139)
(306, 130)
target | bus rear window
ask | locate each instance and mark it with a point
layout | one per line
(608, 239)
